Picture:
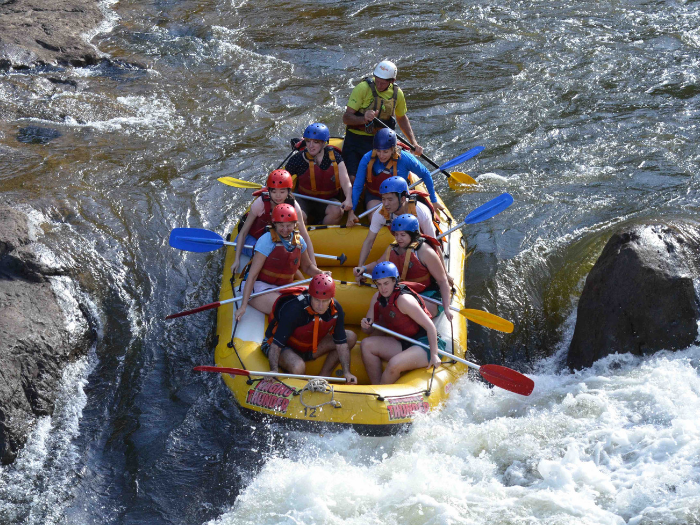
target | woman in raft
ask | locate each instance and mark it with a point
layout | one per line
(396, 307)
(419, 261)
(277, 190)
(279, 254)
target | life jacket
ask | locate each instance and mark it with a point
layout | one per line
(388, 315)
(410, 266)
(324, 184)
(304, 338)
(386, 108)
(281, 265)
(372, 181)
(263, 221)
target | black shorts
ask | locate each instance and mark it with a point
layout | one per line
(306, 356)
(315, 211)
(354, 148)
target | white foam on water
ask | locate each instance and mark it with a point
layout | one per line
(111, 19)
(617, 443)
(36, 487)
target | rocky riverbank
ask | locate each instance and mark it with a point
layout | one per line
(41, 329)
(39, 32)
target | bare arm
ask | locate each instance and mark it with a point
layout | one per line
(366, 322)
(405, 126)
(307, 266)
(367, 247)
(409, 306)
(345, 184)
(350, 119)
(435, 266)
(245, 230)
(305, 234)
(255, 267)
(344, 357)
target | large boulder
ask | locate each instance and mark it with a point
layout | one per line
(640, 297)
(41, 329)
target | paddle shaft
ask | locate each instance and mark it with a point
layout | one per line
(441, 352)
(413, 148)
(315, 199)
(234, 300)
(241, 372)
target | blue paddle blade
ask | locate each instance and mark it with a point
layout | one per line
(488, 210)
(195, 240)
(463, 157)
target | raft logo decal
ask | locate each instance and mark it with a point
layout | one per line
(405, 407)
(271, 395)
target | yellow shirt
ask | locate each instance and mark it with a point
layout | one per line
(361, 98)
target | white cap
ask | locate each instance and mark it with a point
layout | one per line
(386, 70)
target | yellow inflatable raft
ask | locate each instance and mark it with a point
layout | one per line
(369, 409)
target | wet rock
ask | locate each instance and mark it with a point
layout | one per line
(640, 297)
(42, 32)
(38, 335)
(37, 135)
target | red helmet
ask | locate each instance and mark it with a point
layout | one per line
(280, 179)
(322, 286)
(284, 213)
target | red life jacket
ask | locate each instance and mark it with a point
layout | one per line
(304, 338)
(410, 266)
(389, 316)
(372, 181)
(324, 184)
(280, 266)
(263, 221)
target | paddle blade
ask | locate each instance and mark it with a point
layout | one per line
(488, 320)
(195, 310)
(239, 183)
(222, 370)
(462, 158)
(195, 240)
(457, 177)
(491, 208)
(508, 379)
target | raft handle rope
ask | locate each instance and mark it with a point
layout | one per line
(319, 385)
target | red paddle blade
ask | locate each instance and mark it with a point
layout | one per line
(222, 370)
(508, 379)
(195, 310)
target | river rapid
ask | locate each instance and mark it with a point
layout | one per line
(589, 112)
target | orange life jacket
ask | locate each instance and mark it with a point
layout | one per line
(281, 265)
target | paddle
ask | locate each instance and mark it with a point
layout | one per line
(476, 316)
(246, 184)
(456, 176)
(233, 300)
(457, 160)
(295, 147)
(248, 373)
(199, 240)
(485, 211)
(497, 375)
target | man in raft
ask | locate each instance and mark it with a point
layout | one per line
(279, 253)
(277, 190)
(384, 161)
(379, 97)
(419, 260)
(397, 307)
(305, 325)
(395, 201)
(320, 173)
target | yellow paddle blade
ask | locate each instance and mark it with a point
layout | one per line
(457, 177)
(239, 183)
(488, 320)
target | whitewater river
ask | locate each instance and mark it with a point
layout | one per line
(589, 112)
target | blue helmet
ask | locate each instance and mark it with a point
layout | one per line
(394, 185)
(405, 223)
(318, 132)
(385, 269)
(384, 139)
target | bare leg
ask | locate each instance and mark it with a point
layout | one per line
(410, 359)
(328, 346)
(432, 308)
(372, 203)
(334, 214)
(292, 362)
(376, 349)
(264, 303)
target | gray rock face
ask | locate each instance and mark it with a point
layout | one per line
(640, 297)
(35, 339)
(34, 32)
